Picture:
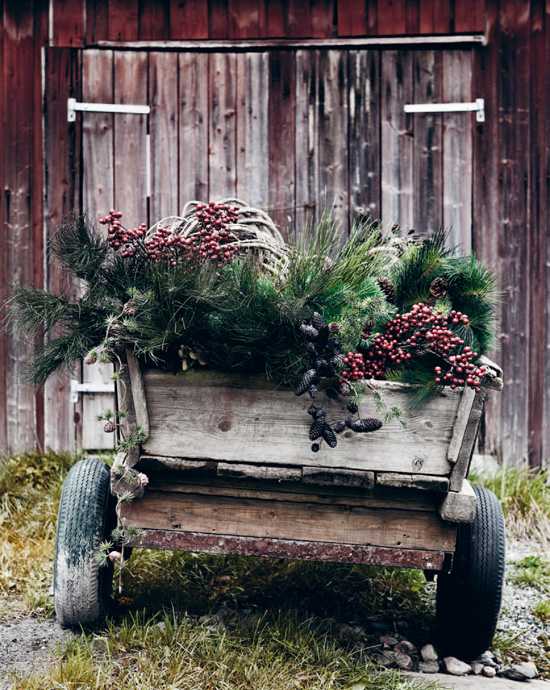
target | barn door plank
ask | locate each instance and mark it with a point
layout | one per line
(364, 138)
(252, 128)
(130, 161)
(333, 135)
(222, 88)
(306, 143)
(193, 127)
(98, 197)
(428, 155)
(396, 139)
(281, 138)
(457, 150)
(163, 129)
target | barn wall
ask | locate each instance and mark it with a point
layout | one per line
(511, 170)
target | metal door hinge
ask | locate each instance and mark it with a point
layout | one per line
(77, 388)
(477, 106)
(73, 106)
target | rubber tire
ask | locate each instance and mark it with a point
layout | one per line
(82, 587)
(469, 598)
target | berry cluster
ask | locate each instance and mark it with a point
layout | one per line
(212, 240)
(421, 331)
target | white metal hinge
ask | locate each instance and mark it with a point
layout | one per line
(73, 105)
(77, 388)
(477, 106)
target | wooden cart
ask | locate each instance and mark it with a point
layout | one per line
(231, 471)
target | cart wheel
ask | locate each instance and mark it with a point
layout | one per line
(82, 587)
(468, 599)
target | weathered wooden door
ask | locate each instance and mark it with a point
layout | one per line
(292, 131)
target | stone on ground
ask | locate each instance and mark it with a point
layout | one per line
(428, 666)
(403, 661)
(477, 668)
(456, 667)
(405, 647)
(522, 672)
(489, 671)
(428, 653)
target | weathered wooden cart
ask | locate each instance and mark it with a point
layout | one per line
(230, 471)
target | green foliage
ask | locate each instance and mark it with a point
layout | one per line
(542, 610)
(238, 317)
(533, 571)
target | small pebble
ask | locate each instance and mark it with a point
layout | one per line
(428, 653)
(403, 661)
(388, 640)
(428, 666)
(405, 647)
(456, 667)
(489, 671)
(477, 668)
(522, 672)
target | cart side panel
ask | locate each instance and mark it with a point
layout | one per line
(215, 416)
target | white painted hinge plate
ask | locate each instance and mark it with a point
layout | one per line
(73, 106)
(77, 388)
(477, 106)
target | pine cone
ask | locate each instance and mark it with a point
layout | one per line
(329, 436)
(109, 427)
(313, 410)
(352, 407)
(316, 429)
(317, 321)
(339, 427)
(310, 332)
(387, 288)
(365, 425)
(315, 447)
(438, 288)
(349, 421)
(308, 379)
(332, 393)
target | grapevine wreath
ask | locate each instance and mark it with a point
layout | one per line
(219, 287)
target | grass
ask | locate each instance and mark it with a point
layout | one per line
(532, 571)
(542, 611)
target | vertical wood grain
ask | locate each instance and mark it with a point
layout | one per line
(457, 151)
(364, 134)
(435, 16)
(469, 16)
(193, 127)
(163, 129)
(97, 21)
(222, 126)
(275, 19)
(247, 18)
(306, 143)
(123, 20)
(428, 146)
(188, 19)
(281, 138)
(333, 136)
(322, 18)
(153, 20)
(98, 197)
(352, 17)
(392, 17)
(68, 23)
(396, 139)
(252, 128)
(218, 19)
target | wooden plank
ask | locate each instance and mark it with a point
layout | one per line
(241, 430)
(275, 19)
(364, 138)
(428, 143)
(435, 16)
(218, 19)
(193, 128)
(352, 17)
(328, 477)
(188, 19)
(154, 20)
(421, 482)
(513, 220)
(462, 464)
(469, 15)
(130, 160)
(98, 197)
(123, 20)
(333, 136)
(164, 133)
(286, 520)
(68, 23)
(322, 18)
(62, 195)
(298, 18)
(392, 17)
(18, 67)
(97, 21)
(280, 548)
(306, 143)
(138, 392)
(457, 151)
(235, 470)
(281, 138)
(252, 128)
(396, 139)
(459, 506)
(461, 423)
(222, 152)
(412, 16)
(247, 18)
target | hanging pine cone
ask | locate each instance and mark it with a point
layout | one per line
(109, 427)
(313, 410)
(387, 288)
(316, 429)
(309, 331)
(329, 436)
(438, 288)
(339, 426)
(317, 321)
(349, 421)
(315, 447)
(365, 425)
(308, 379)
